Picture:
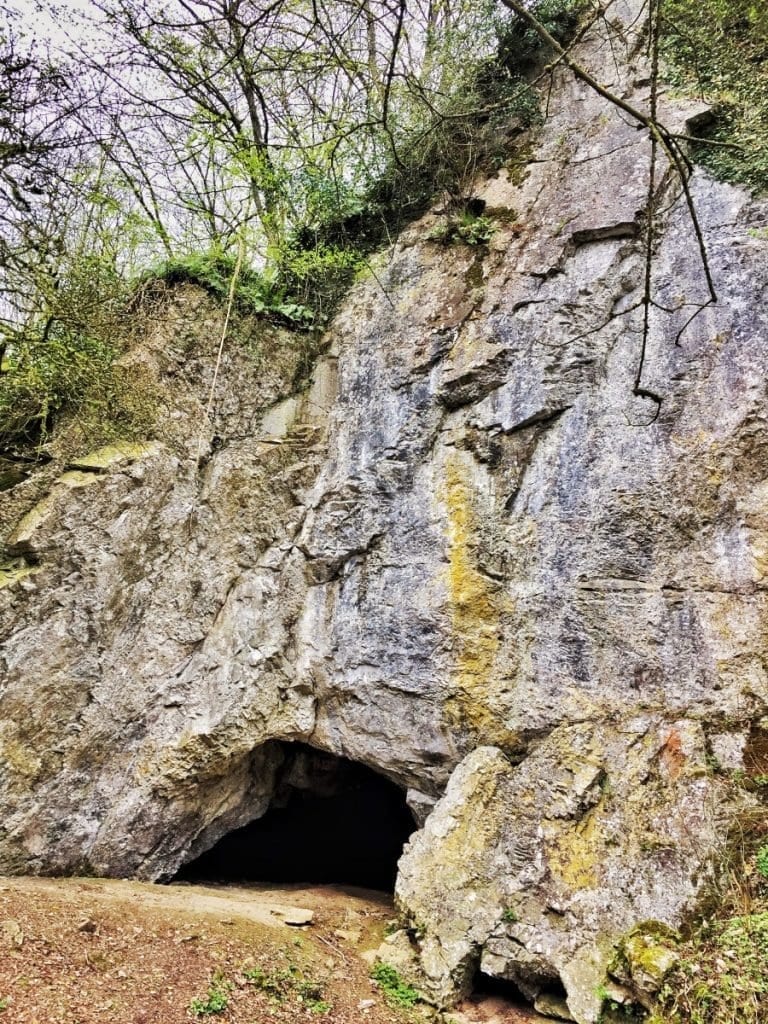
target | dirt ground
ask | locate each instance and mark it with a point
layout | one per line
(100, 951)
(82, 951)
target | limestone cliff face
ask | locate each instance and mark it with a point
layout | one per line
(467, 555)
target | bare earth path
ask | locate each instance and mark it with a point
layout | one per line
(81, 951)
(101, 951)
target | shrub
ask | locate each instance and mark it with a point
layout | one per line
(47, 370)
(521, 50)
(466, 228)
(722, 977)
(316, 277)
(282, 983)
(216, 999)
(215, 271)
(488, 105)
(62, 363)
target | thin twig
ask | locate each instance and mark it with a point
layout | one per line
(651, 200)
(661, 138)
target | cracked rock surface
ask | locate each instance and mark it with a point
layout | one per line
(468, 554)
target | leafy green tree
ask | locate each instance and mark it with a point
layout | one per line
(270, 116)
(39, 147)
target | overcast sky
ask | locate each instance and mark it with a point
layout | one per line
(55, 22)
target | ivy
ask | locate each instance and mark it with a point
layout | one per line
(718, 50)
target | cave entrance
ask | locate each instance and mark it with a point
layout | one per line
(492, 998)
(330, 820)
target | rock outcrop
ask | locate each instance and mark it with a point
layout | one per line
(471, 554)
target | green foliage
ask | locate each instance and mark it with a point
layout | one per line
(323, 208)
(521, 50)
(396, 991)
(311, 994)
(510, 916)
(321, 197)
(718, 50)
(216, 999)
(62, 363)
(301, 291)
(489, 104)
(521, 53)
(317, 277)
(278, 984)
(47, 371)
(722, 978)
(283, 983)
(720, 975)
(761, 861)
(613, 1012)
(496, 101)
(214, 270)
(466, 228)
(475, 230)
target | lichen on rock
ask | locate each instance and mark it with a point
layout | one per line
(550, 838)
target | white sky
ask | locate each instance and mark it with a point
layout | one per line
(53, 22)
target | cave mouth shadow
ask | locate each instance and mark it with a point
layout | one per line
(497, 993)
(330, 821)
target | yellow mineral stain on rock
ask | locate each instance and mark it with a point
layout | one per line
(114, 454)
(180, 768)
(476, 606)
(25, 530)
(575, 854)
(758, 543)
(20, 759)
(13, 571)
(465, 848)
(75, 478)
(23, 534)
(460, 854)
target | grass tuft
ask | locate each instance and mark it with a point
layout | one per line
(396, 992)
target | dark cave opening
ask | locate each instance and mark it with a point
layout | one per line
(487, 986)
(331, 820)
(501, 992)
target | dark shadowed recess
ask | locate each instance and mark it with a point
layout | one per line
(330, 821)
(492, 997)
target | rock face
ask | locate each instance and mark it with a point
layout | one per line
(468, 554)
(599, 828)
